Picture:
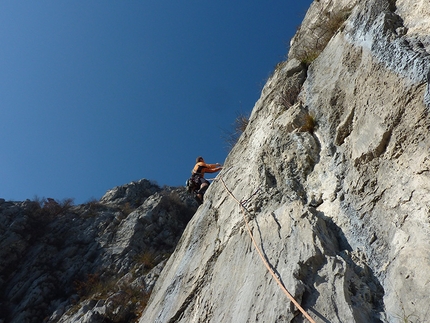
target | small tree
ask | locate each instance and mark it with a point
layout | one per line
(238, 127)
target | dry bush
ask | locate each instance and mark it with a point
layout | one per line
(127, 302)
(309, 54)
(238, 127)
(92, 286)
(92, 206)
(148, 259)
(241, 123)
(142, 303)
(126, 209)
(49, 207)
(319, 35)
(309, 124)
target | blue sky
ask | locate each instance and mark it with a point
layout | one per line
(96, 94)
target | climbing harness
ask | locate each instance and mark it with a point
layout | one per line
(193, 183)
(265, 262)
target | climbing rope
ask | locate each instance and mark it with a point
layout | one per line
(269, 268)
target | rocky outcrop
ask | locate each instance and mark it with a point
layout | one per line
(333, 170)
(95, 262)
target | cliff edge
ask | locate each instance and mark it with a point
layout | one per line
(332, 175)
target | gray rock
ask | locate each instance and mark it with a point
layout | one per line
(427, 93)
(98, 250)
(134, 193)
(341, 213)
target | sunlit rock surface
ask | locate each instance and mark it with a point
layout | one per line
(334, 170)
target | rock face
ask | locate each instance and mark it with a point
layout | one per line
(333, 170)
(95, 262)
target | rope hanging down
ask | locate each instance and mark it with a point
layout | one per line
(243, 210)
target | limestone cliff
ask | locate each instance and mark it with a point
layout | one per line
(333, 170)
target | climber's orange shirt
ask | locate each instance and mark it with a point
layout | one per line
(202, 168)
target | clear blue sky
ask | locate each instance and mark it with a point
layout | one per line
(96, 94)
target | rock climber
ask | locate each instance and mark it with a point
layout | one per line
(198, 175)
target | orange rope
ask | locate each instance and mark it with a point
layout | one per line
(243, 209)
